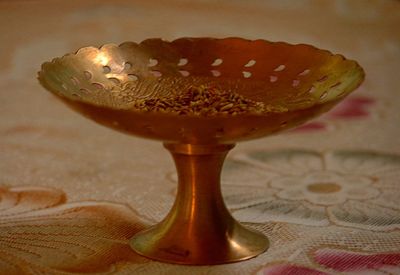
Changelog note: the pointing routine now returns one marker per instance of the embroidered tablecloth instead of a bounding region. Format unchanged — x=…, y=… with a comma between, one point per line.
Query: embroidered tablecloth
x=72, y=193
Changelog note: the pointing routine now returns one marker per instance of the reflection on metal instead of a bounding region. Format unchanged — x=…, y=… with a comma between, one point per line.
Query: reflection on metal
x=102, y=84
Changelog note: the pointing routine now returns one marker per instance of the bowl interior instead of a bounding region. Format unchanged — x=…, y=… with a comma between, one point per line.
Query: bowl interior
x=278, y=73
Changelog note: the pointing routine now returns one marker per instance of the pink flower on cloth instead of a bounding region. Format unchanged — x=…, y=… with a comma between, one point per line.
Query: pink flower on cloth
x=355, y=107
x=352, y=107
x=330, y=261
x=358, y=263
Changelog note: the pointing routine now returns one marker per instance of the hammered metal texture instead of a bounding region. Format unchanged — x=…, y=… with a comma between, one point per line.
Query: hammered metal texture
x=103, y=84
x=257, y=69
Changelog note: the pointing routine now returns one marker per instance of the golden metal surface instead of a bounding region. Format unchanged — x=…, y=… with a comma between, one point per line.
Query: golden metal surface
x=103, y=84
x=199, y=228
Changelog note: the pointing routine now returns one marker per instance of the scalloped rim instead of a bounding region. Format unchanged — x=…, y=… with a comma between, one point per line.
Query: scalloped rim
x=82, y=49
x=78, y=51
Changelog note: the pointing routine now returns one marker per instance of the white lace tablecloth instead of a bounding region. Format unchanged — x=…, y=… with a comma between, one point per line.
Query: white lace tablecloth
x=73, y=193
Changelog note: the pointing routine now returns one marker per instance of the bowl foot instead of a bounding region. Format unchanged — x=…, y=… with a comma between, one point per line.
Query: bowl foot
x=199, y=230
x=199, y=246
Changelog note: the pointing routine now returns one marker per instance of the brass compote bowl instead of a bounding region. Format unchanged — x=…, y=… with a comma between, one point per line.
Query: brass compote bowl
x=297, y=82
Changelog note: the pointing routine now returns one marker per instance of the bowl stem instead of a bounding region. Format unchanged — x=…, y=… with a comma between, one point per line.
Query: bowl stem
x=199, y=229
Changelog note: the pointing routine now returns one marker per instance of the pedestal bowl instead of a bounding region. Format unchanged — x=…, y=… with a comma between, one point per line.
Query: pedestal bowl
x=138, y=88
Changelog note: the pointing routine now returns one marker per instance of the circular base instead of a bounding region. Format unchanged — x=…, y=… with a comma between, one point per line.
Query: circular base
x=236, y=244
x=199, y=230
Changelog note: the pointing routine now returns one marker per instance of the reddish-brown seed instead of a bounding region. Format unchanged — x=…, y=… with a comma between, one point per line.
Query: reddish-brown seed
x=204, y=101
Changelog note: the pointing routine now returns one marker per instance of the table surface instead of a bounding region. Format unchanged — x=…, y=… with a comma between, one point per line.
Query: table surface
x=72, y=192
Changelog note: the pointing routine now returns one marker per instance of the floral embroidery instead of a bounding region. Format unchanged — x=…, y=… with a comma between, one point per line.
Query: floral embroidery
x=348, y=261
x=279, y=269
x=345, y=262
x=325, y=188
x=354, y=107
x=352, y=189
x=40, y=233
